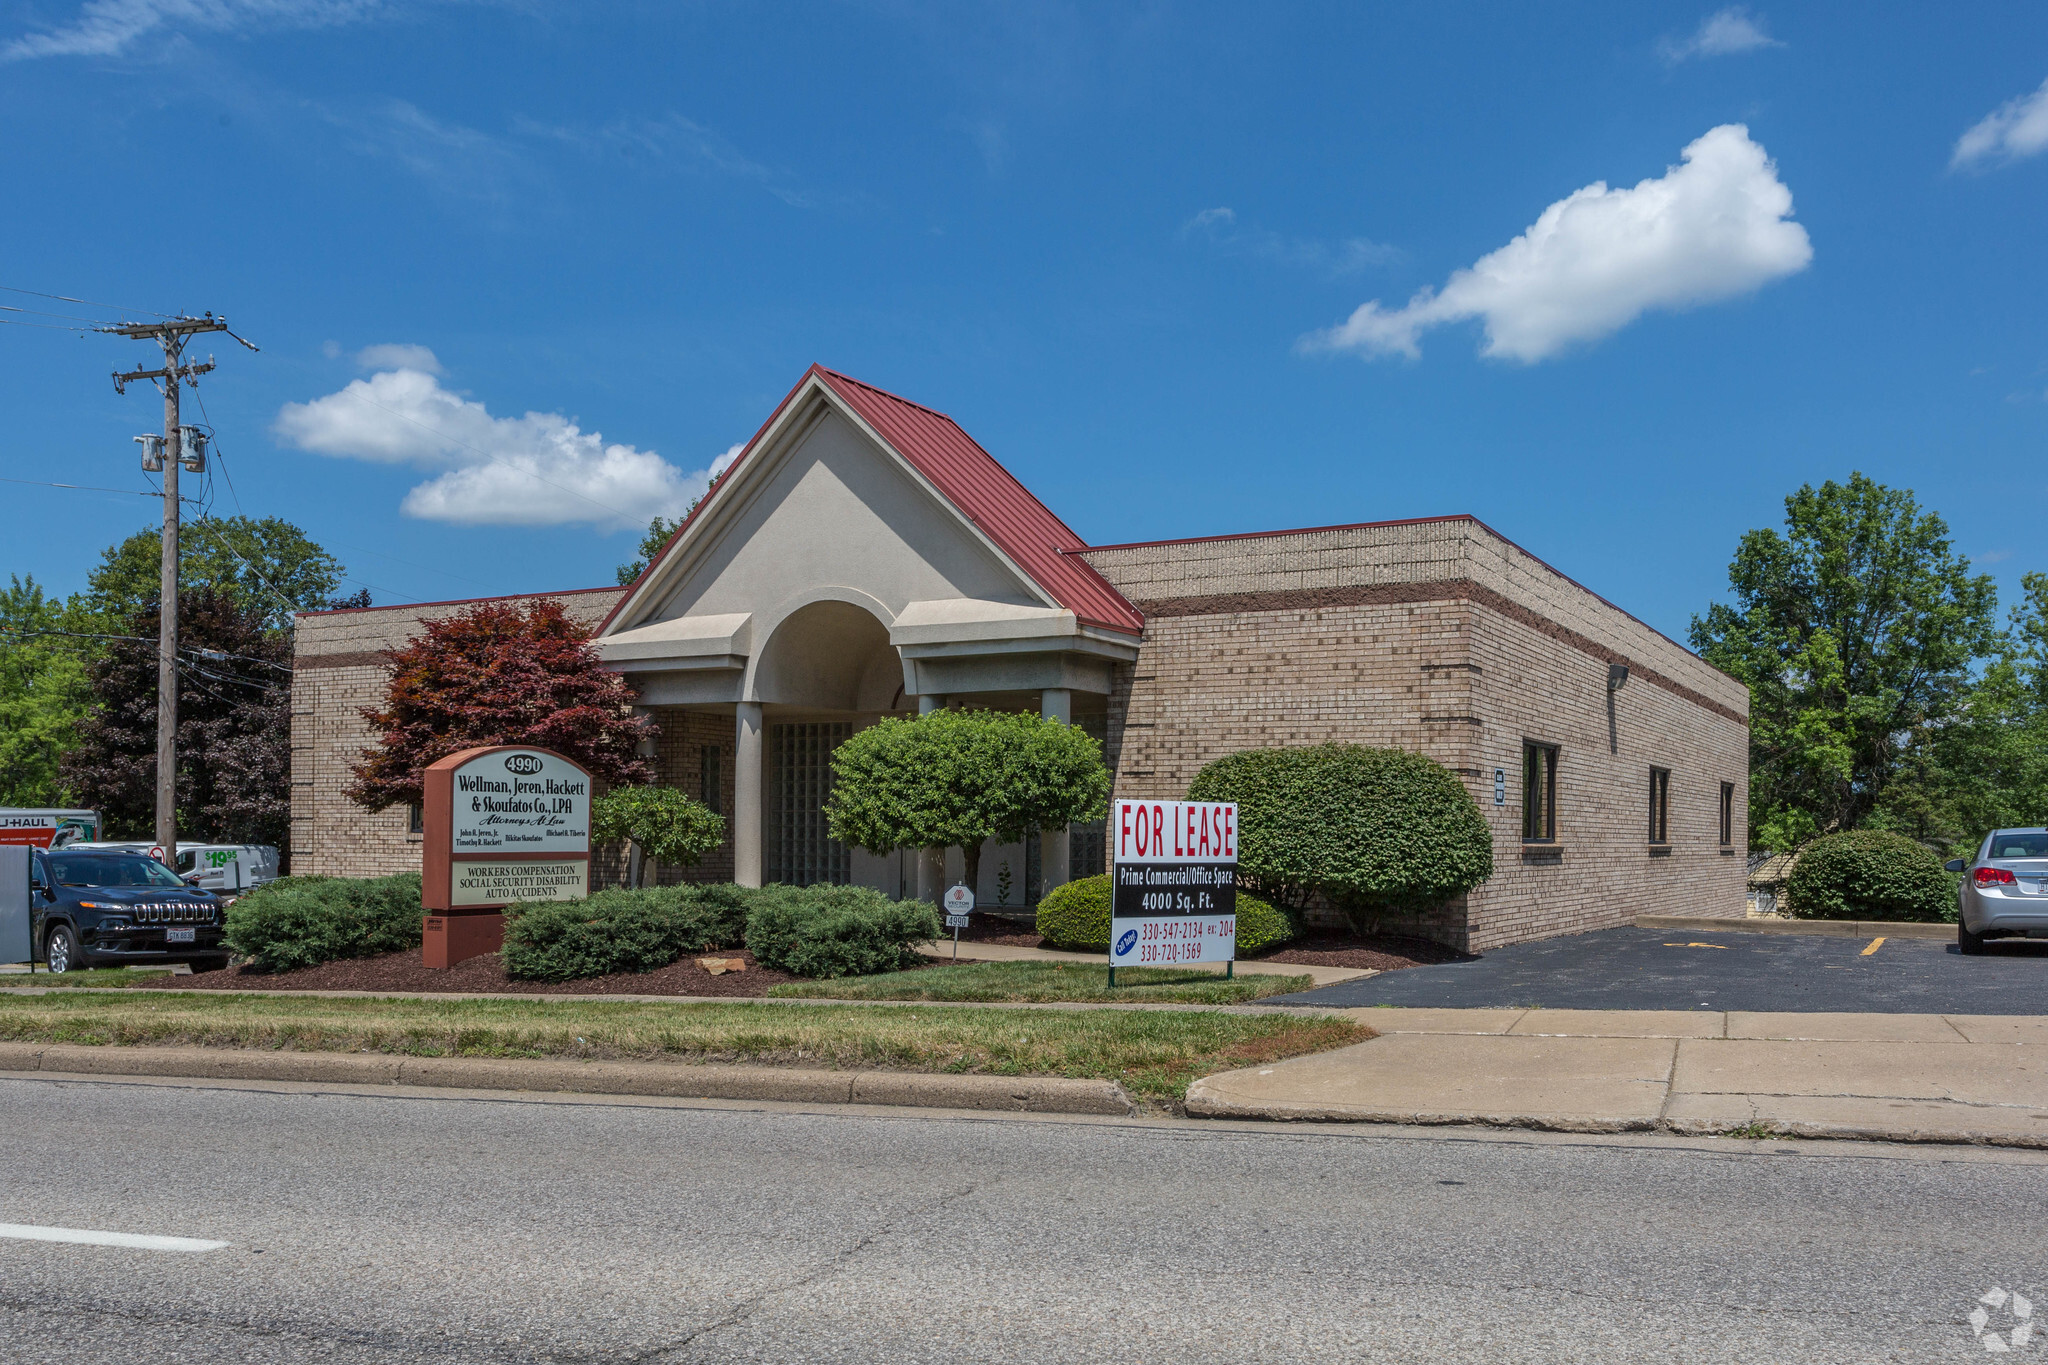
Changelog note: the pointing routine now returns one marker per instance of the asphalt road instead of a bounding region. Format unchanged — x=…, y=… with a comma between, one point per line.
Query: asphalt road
x=1689, y=969
x=371, y=1230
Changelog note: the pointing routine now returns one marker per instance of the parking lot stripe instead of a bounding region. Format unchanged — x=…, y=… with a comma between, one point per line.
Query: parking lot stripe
x=141, y=1241
x=1875, y=944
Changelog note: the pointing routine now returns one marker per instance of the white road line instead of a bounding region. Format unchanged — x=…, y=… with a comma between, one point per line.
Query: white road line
x=143, y=1241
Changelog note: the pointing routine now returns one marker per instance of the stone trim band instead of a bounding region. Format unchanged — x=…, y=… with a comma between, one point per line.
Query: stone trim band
x=1436, y=590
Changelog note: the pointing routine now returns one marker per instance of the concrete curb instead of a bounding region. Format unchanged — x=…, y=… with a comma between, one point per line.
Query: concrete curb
x=1824, y=928
x=1013, y=1094
x=1203, y=1103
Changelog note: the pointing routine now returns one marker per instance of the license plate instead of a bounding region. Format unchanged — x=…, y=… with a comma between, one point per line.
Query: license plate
x=180, y=935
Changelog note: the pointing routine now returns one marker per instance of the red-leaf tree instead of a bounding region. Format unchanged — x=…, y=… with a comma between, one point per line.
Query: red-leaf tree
x=497, y=675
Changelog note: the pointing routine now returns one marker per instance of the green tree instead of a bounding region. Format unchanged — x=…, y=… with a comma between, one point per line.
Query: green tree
x=234, y=726
x=1986, y=765
x=267, y=565
x=662, y=823
x=658, y=532
x=45, y=692
x=1856, y=629
x=955, y=779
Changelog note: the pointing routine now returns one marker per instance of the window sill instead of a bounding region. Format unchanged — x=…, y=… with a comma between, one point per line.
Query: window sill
x=1660, y=850
x=1727, y=850
x=1542, y=853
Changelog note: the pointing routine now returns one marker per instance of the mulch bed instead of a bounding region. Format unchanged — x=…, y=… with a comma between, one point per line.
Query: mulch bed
x=1380, y=952
x=405, y=972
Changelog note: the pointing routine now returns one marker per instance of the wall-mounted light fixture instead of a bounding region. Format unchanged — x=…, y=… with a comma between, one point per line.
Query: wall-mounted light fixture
x=1617, y=677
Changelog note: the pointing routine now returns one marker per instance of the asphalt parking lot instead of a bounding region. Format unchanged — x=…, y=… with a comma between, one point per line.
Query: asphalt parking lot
x=1689, y=969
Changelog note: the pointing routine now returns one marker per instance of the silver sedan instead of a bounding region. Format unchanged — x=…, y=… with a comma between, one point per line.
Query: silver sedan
x=2005, y=889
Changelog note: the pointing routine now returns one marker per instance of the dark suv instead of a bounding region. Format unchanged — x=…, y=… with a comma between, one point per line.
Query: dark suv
x=109, y=908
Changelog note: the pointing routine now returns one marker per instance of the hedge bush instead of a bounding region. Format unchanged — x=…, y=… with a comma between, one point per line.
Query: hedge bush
x=612, y=931
x=1371, y=830
x=298, y=922
x=827, y=931
x=1076, y=917
x=1870, y=874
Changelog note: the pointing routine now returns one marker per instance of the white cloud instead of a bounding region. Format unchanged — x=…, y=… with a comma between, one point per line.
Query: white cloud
x=1724, y=33
x=2017, y=128
x=1709, y=229
x=397, y=356
x=541, y=469
x=106, y=28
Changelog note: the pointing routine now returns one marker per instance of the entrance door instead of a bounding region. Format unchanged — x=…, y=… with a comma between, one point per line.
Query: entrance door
x=801, y=852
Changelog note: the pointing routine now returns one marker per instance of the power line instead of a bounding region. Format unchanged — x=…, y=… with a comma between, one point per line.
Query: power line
x=42, y=313
x=66, y=298
x=88, y=488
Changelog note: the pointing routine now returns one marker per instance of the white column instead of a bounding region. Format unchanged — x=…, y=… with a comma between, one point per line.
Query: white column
x=931, y=863
x=747, y=756
x=1055, y=703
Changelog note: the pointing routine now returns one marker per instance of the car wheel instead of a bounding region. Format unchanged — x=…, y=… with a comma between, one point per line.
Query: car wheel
x=1969, y=943
x=209, y=964
x=60, y=951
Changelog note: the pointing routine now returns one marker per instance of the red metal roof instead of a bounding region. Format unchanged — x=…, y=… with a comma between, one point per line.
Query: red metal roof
x=982, y=490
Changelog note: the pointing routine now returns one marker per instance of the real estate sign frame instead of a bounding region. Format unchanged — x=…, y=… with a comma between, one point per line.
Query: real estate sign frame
x=1173, y=883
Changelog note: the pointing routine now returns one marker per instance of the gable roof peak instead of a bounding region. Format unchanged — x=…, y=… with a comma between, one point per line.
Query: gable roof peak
x=1019, y=526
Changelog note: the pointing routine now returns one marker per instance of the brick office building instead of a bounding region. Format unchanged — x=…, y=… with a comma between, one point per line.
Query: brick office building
x=865, y=557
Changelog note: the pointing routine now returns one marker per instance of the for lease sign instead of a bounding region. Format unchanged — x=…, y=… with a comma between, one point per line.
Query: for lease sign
x=1173, y=878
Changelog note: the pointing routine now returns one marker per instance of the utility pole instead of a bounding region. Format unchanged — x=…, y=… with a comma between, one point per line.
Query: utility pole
x=171, y=334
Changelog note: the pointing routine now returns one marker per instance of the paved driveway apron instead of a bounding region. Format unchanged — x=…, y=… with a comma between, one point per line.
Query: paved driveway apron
x=1688, y=969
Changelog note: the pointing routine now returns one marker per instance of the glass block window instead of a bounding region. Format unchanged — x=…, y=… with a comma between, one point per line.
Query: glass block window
x=802, y=853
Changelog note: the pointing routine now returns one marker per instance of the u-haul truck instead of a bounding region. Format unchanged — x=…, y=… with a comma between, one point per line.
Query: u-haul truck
x=48, y=828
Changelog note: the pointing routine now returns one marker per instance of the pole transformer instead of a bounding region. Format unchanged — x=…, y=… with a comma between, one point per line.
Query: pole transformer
x=172, y=335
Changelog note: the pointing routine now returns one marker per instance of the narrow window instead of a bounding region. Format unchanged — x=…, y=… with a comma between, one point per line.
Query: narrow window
x=1660, y=805
x=1539, y=793
x=709, y=779
x=415, y=820
x=1727, y=813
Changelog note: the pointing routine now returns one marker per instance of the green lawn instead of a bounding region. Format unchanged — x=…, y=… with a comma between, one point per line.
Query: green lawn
x=94, y=978
x=1030, y=982
x=1154, y=1053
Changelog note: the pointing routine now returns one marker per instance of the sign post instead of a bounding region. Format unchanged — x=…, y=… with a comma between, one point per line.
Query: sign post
x=959, y=905
x=503, y=825
x=1173, y=883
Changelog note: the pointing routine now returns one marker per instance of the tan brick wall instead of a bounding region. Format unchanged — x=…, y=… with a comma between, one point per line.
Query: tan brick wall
x=679, y=762
x=1471, y=647
x=338, y=668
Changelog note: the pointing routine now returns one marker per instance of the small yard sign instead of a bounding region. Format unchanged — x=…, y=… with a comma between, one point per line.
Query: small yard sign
x=1173, y=883
x=959, y=905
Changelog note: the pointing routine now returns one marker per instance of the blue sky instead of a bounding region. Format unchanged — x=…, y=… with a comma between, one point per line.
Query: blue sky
x=1130, y=248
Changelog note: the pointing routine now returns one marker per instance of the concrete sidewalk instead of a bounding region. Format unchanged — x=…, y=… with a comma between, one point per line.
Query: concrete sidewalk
x=1884, y=1077
x=1003, y=952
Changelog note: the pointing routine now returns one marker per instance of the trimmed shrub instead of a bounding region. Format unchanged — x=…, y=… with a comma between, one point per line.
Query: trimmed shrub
x=1870, y=874
x=298, y=922
x=1370, y=830
x=1260, y=927
x=827, y=931
x=725, y=906
x=1076, y=917
x=612, y=931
